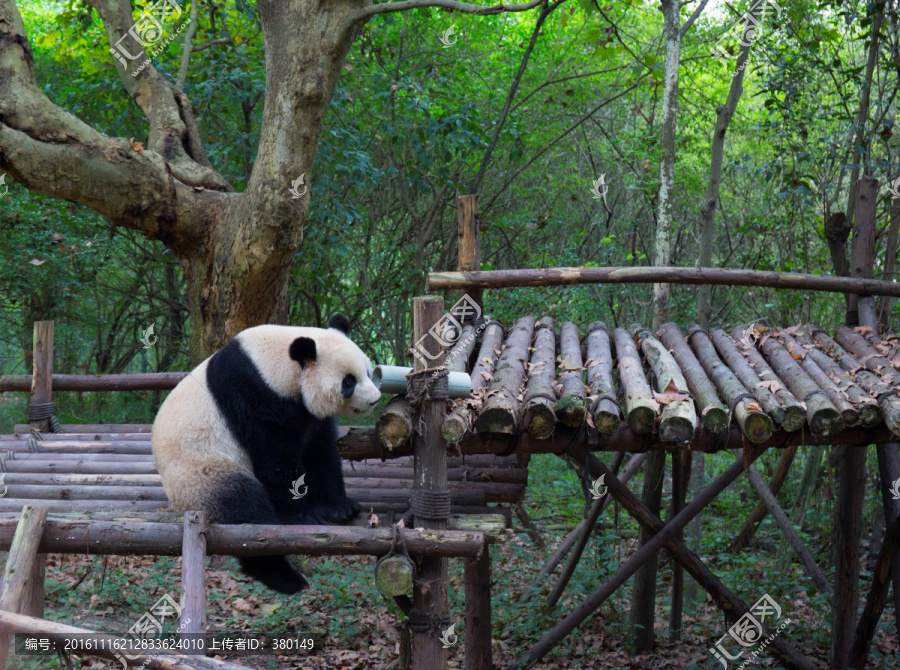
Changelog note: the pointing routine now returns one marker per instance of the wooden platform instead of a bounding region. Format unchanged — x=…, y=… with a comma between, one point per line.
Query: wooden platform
x=541, y=386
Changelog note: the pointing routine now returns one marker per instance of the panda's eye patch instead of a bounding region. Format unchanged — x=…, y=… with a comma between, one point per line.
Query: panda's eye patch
x=348, y=386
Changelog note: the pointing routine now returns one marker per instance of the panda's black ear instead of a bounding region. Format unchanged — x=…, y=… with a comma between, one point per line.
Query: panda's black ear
x=303, y=350
x=339, y=322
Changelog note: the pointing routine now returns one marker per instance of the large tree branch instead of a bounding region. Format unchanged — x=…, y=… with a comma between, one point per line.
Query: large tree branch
x=53, y=152
x=169, y=135
x=464, y=7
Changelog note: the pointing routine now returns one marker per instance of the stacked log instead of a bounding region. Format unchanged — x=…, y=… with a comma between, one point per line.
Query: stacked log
x=640, y=407
x=754, y=423
x=571, y=407
x=460, y=418
x=540, y=398
x=395, y=423
x=790, y=418
x=678, y=420
x=604, y=410
x=821, y=414
x=888, y=400
x=500, y=413
x=794, y=412
x=713, y=413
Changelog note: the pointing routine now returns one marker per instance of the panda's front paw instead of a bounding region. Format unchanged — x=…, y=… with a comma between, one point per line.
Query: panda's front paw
x=341, y=509
x=313, y=515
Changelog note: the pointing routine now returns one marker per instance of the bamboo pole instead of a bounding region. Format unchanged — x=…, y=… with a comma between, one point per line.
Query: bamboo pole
x=754, y=423
x=640, y=408
x=571, y=408
x=430, y=463
x=443, y=281
x=821, y=414
x=501, y=411
x=604, y=411
x=678, y=420
x=540, y=398
x=713, y=413
x=458, y=422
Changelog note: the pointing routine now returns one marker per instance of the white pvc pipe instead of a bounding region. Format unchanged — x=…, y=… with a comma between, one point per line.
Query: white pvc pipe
x=392, y=379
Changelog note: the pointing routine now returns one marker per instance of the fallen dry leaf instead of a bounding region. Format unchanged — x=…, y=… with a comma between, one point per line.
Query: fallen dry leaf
x=670, y=394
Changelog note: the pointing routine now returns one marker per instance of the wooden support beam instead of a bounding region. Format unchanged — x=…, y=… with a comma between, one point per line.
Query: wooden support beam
x=16, y=589
x=469, y=243
x=477, y=579
x=851, y=470
x=193, y=574
x=681, y=470
x=765, y=494
x=430, y=464
x=42, y=367
x=889, y=471
x=758, y=513
x=443, y=281
x=139, y=381
x=733, y=606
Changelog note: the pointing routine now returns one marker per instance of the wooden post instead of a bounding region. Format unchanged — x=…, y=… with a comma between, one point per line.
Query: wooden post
x=478, y=611
x=469, y=258
x=851, y=467
x=42, y=370
x=430, y=474
x=15, y=587
x=681, y=470
x=193, y=574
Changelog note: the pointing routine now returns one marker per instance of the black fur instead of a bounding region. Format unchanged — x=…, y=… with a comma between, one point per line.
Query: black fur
x=284, y=442
x=303, y=350
x=339, y=322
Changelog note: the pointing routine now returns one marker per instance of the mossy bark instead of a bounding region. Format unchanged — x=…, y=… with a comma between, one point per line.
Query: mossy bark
x=540, y=419
x=571, y=408
x=640, y=408
x=605, y=411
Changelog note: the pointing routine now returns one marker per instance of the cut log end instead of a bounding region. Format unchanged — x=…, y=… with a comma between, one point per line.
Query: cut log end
x=571, y=410
x=393, y=430
x=641, y=420
x=606, y=422
x=870, y=415
x=540, y=421
x=394, y=576
x=496, y=420
x=794, y=418
x=676, y=429
x=715, y=420
x=827, y=423
x=453, y=428
x=757, y=427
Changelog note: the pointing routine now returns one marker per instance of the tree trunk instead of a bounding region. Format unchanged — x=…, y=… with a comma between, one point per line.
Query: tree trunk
x=708, y=208
x=668, y=120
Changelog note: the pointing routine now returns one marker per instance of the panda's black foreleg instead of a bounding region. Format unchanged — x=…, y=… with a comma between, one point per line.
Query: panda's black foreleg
x=325, y=477
x=242, y=499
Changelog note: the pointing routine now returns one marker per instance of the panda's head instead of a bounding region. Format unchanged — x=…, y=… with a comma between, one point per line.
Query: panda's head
x=331, y=373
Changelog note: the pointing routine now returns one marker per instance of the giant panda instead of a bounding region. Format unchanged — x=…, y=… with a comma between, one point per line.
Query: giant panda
x=236, y=433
